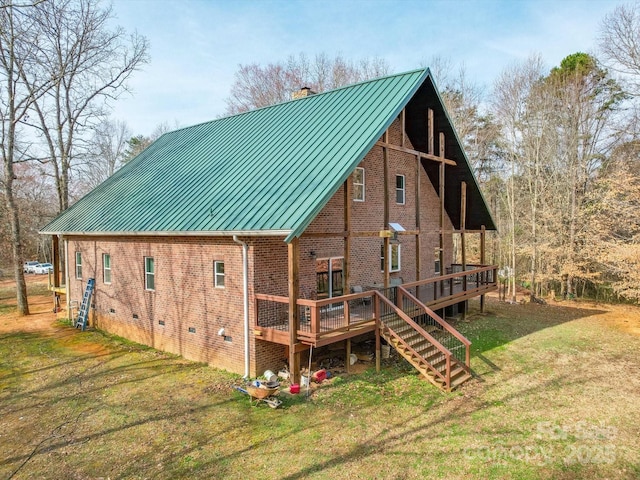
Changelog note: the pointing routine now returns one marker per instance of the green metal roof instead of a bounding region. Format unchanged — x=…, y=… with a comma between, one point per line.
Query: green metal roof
x=265, y=172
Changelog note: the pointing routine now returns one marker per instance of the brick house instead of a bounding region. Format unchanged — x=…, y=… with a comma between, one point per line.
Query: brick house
x=247, y=240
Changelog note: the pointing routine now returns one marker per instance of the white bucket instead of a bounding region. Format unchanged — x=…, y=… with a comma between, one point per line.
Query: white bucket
x=304, y=381
x=353, y=359
x=270, y=376
x=385, y=351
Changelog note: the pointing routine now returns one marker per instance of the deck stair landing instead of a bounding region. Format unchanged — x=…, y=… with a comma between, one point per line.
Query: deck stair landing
x=434, y=348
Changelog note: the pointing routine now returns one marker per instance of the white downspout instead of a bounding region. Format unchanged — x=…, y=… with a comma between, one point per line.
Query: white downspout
x=245, y=274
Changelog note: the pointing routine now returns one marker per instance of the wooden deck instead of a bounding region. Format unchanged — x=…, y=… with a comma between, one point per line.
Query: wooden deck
x=322, y=322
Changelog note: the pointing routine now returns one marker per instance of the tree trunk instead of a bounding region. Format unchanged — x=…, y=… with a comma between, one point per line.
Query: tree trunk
x=16, y=244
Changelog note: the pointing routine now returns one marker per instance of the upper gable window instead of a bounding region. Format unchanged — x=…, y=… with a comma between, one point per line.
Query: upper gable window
x=400, y=190
x=358, y=185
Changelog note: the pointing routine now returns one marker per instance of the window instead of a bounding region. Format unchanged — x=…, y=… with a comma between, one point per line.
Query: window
x=218, y=274
x=400, y=189
x=436, y=254
x=78, y=265
x=358, y=185
x=394, y=257
x=149, y=274
x=106, y=267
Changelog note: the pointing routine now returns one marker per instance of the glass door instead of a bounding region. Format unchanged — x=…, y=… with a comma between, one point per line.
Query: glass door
x=329, y=277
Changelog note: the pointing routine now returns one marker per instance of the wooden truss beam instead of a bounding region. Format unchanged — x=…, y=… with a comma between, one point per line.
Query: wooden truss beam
x=426, y=156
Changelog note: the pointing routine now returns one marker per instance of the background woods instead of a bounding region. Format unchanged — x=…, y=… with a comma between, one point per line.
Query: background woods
x=555, y=148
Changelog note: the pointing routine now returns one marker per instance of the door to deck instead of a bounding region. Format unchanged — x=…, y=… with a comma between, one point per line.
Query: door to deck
x=329, y=277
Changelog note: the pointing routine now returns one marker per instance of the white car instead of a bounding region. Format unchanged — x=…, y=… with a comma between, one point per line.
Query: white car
x=43, y=268
x=29, y=266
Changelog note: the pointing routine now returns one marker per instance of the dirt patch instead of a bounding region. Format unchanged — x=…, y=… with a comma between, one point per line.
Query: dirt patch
x=621, y=317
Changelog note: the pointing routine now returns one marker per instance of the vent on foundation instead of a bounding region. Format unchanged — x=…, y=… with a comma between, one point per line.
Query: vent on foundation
x=227, y=338
x=135, y=315
x=192, y=329
x=160, y=322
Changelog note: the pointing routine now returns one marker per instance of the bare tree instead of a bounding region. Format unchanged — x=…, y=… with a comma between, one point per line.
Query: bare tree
x=106, y=152
x=619, y=41
x=257, y=86
x=92, y=64
x=16, y=57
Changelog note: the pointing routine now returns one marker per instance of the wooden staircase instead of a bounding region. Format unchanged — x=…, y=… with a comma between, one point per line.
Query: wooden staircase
x=438, y=351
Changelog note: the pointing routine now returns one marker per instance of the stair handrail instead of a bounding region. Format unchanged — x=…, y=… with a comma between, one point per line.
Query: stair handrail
x=465, y=341
x=444, y=350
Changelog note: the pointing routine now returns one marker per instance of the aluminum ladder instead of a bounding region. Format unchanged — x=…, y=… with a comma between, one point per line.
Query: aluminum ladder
x=83, y=313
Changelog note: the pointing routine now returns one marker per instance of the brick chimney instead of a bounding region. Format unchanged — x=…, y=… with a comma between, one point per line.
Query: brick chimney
x=303, y=92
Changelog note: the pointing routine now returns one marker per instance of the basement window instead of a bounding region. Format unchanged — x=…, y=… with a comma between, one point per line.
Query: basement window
x=218, y=274
x=400, y=190
x=106, y=267
x=394, y=257
x=78, y=265
x=149, y=274
x=358, y=185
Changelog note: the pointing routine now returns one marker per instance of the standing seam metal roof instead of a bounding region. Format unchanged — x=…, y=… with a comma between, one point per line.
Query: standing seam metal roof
x=268, y=170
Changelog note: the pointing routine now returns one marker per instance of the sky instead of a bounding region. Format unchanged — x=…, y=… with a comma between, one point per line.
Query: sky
x=196, y=46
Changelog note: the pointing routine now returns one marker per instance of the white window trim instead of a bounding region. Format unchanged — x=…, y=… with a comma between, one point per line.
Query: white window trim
x=403, y=189
x=79, y=266
x=216, y=274
x=147, y=273
x=391, y=245
x=363, y=185
x=104, y=269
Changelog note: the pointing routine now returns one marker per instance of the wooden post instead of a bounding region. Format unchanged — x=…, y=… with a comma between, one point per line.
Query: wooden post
x=294, y=288
x=386, y=258
x=418, y=241
x=442, y=210
x=403, y=121
x=430, y=130
x=482, y=260
x=463, y=222
x=346, y=263
x=55, y=260
x=385, y=155
x=376, y=313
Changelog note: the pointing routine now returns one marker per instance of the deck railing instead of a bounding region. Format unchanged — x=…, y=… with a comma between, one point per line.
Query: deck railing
x=320, y=317
x=449, y=337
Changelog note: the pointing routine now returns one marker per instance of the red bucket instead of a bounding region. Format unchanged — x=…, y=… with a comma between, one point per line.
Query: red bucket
x=295, y=388
x=320, y=376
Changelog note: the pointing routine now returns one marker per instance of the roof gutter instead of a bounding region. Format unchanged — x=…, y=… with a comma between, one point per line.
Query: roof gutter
x=175, y=233
x=245, y=285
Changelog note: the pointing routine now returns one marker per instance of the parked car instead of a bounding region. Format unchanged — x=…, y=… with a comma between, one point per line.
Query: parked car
x=28, y=267
x=42, y=268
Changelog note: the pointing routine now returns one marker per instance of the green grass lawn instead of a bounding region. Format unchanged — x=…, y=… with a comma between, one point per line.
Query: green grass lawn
x=557, y=395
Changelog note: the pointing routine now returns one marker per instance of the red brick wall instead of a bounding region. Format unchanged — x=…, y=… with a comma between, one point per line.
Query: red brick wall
x=368, y=216
x=185, y=296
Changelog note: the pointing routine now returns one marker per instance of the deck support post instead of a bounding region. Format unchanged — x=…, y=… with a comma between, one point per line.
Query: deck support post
x=347, y=356
x=442, y=209
x=418, y=241
x=385, y=158
x=483, y=233
x=463, y=246
x=346, y=262
x=294, y=288
x=376, y=313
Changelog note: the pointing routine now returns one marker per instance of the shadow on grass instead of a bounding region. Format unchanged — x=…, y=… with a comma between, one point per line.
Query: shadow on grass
x=503, y=323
